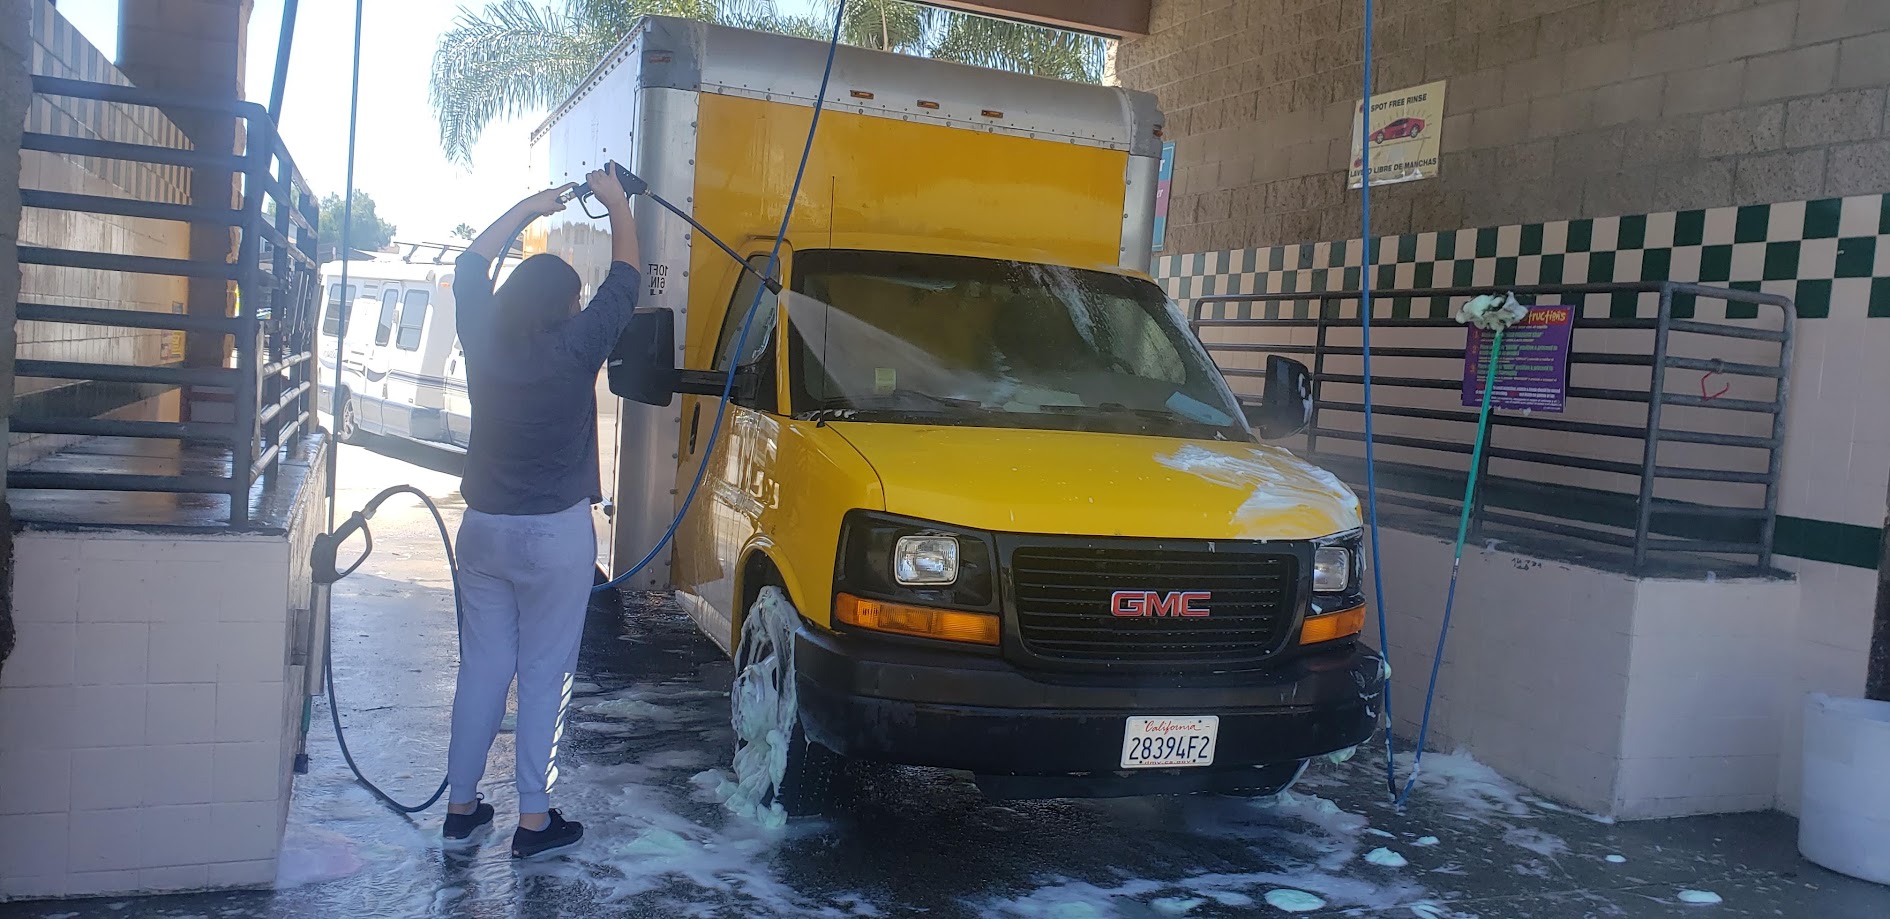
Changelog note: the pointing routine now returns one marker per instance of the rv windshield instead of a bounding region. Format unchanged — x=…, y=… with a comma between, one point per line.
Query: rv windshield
x=934, y=339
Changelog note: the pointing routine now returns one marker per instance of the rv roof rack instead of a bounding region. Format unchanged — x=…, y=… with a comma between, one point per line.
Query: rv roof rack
x=439, y=250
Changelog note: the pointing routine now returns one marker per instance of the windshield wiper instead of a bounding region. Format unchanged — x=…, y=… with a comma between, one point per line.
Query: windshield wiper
x=1164, y=415
x=886, y=405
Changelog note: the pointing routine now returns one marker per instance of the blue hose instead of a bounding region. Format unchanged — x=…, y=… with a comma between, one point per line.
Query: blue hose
x=741, y=338
x=1365, y=346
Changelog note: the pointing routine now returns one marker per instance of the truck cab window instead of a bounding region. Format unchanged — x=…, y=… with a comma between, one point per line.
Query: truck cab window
x=413, y=319
x=385, y=328
x=760, y=333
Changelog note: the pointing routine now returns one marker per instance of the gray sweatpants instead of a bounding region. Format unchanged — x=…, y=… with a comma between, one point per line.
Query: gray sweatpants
x=524, y=582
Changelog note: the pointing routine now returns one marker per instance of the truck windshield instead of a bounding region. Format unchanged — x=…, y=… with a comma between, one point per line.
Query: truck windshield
x=935, y=339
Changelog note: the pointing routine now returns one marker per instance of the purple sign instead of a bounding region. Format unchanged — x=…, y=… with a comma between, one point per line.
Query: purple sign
x=1533, y=372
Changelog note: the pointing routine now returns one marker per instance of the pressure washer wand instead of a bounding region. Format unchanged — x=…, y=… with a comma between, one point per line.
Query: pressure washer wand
x=634, y=185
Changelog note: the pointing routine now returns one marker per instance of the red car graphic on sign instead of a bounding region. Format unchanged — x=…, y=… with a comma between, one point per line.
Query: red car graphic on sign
x=1403, y=127
x=1131, y=604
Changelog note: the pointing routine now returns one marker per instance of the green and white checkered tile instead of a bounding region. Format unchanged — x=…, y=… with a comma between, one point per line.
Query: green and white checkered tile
x=1831, y=256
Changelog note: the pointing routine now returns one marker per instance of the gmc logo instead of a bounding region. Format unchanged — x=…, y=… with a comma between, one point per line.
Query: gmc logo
x=1140, y=603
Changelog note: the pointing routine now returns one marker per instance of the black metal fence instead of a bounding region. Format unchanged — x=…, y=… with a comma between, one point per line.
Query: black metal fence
x=1436, y=441
x=278, y=286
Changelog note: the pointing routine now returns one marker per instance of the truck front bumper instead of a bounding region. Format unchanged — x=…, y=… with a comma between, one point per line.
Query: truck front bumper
x=902, y=703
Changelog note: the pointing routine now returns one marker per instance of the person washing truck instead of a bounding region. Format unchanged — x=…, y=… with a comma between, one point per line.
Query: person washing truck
x=525, y=544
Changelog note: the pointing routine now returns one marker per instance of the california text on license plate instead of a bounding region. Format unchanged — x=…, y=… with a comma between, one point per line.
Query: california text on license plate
x=1166, y=741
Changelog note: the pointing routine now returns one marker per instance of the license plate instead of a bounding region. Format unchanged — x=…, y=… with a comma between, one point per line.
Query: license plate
x=1167, y=741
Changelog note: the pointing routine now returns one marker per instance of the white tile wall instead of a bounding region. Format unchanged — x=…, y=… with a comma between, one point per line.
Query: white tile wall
x=183, y=712
x=108, y=840
x=116, y=653
x=44, y=655
x=148, y=719
x=36, y=781
x=1670, y=696
x=108, y=777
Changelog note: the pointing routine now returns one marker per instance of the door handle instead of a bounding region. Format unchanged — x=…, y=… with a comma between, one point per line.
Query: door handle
x=695, y=421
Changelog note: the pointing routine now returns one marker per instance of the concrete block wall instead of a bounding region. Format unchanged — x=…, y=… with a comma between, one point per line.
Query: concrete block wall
x=59, y=50
x=142, y=724
x=1760, y=124
x=1555, y=109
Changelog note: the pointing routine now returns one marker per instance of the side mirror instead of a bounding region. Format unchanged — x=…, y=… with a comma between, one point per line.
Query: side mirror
x=642, y=368
x=1286, y=406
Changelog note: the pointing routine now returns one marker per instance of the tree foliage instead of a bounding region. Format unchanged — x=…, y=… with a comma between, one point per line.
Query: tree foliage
x=513, y=57
x=367, y=233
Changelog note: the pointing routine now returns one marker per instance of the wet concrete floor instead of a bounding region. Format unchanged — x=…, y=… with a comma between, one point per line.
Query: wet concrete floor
x=649, y=726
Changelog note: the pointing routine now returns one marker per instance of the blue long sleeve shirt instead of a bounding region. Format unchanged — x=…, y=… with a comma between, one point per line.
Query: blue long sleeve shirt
x=533, y=448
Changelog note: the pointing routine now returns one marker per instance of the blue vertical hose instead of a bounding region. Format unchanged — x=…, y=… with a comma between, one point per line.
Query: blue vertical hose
x=741, y=338
x=1365, y=345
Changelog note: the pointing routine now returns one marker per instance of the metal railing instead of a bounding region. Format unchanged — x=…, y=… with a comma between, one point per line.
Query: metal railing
x=278, y=286
x=1639, y=519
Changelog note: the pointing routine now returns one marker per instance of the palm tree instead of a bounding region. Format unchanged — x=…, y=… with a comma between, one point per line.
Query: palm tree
x=519, y=56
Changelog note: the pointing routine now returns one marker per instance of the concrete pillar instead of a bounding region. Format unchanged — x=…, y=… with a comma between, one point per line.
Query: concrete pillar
x=16, y=92
x=196, y=47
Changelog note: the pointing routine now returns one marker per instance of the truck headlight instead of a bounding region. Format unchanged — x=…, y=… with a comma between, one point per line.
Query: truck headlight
x=1332, y=569
x=925, y=561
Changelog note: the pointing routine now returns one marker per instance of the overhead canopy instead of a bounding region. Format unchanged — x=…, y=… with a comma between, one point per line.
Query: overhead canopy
x=1116, y=18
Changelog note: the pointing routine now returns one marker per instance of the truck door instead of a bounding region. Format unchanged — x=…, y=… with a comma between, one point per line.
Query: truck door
x=727, y=510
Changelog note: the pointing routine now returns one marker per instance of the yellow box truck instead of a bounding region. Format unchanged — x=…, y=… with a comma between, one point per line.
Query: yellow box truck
x=1023, y=525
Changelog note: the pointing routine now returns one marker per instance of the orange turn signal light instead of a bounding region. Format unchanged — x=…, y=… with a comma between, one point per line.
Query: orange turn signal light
x=1328, y=626
x=921, y=621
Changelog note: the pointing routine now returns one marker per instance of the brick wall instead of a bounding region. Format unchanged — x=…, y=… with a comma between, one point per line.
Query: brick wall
x=57, y=49
x=1555, y=109
x=1743, y=141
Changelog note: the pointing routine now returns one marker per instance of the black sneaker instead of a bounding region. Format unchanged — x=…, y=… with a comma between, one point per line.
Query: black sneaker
x=462, y=826
x=557, y=834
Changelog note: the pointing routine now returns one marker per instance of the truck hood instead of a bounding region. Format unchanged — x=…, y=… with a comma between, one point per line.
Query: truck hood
x=1090, y=484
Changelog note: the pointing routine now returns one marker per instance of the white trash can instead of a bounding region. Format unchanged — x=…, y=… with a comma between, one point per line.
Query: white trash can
x=1844, y=823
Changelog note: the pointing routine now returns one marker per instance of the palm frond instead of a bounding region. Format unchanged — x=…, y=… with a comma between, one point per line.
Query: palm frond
x=1005, y=45
x=510, y=58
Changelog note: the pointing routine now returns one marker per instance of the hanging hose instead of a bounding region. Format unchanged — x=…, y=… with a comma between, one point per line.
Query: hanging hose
x=741, y=338
x=326, y=574
x=1365, y=346
x=324, y=555
x=1456, y=564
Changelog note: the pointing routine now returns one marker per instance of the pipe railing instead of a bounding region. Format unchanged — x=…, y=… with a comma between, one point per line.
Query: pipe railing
x=277, y=277
x=1638, y=519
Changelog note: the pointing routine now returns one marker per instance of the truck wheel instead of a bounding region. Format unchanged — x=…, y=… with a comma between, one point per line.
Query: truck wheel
x=779, y=773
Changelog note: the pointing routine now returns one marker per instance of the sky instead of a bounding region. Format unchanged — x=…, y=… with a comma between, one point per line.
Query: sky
x=397, y=158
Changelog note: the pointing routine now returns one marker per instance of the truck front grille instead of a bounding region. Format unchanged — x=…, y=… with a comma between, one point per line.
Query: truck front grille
x=1064, y=602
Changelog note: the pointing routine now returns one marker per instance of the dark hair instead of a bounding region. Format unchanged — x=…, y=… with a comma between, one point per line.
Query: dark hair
x=540, y=293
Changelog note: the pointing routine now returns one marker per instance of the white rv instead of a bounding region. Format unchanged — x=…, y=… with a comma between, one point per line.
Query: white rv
x=401, y=372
